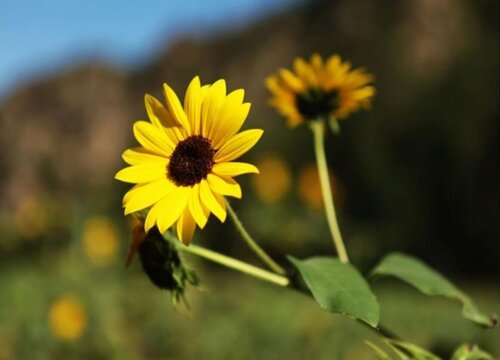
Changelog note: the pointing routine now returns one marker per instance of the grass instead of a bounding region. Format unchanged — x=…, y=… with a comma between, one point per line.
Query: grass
x=231, y=317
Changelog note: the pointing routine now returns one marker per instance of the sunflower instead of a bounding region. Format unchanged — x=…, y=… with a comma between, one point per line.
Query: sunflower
x=320, y=89
x=184, y=166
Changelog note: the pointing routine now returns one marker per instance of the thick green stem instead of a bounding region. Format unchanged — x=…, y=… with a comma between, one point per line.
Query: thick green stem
x=318, y=129
x=252, y=244
x=235, y=264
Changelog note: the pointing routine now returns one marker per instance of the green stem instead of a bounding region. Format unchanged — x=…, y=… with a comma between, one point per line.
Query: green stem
x=318, y=129
x=235, y=264
x=252, y=244
x=259, y=273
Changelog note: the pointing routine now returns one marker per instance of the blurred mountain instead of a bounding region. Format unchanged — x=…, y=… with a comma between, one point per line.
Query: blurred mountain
x=420, y=170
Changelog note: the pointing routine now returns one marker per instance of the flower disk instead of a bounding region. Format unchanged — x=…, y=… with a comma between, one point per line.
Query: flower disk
x=320, y=90
x=185, y=164
x=191, y=161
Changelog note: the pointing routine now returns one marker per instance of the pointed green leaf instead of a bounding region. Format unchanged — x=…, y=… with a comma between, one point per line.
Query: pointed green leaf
x=429, y=282
x=338, y=288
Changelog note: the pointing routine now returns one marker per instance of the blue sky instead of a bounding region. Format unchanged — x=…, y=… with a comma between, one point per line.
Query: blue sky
x=37, y=37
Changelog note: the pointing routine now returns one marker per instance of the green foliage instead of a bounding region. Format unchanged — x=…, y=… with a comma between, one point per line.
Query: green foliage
x=338, y=288
x=403, y=351
x=429, y=282
x=470, y=352
x=407, y=351
x=381, y=354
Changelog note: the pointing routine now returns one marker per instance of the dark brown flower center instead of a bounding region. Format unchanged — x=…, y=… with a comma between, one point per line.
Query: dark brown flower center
x=191, y=161
x=316, y=102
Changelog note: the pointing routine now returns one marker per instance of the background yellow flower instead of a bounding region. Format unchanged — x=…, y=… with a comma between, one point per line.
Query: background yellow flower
x=67, y=318
x=273, y=181
x=100, y=240
x=310, y=188
x=318, y=89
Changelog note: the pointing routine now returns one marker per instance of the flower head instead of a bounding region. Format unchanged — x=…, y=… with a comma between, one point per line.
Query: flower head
x=320, y=89
x=162, y=263
x=184, y=166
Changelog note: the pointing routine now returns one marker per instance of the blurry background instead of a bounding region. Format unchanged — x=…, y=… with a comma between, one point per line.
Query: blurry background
x=418, y=173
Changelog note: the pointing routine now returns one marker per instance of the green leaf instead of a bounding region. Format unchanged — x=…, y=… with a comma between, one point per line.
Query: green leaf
x=381, y=354
x=403, y=350
x=338, y=288
x=470, y=352
x=429, y=282
x=415, y=352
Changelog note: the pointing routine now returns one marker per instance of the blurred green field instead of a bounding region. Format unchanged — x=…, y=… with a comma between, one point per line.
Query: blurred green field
x=231, y=317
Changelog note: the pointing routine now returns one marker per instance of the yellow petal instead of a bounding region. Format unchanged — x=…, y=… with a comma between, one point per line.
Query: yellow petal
x=185, y=227
x=140, y=155
x=316, y=62
x=199, y=212
x=231, y=117
x=212, y=103
x=224, y=186
x=152, y=216
x=222, y=203
x=333, y=62
x=143, y=173
x=171, y=208
x=153, y=138
x=126, y=197
x=230, y=169
x=192, y=104
x=157, y=113
x=232, y=114
x=272, y=85
x=292, y=81
x=304, y=71
x=175, y=108
x=161, y=118
x=238, y=145
x=211, y=201
x=144, y=196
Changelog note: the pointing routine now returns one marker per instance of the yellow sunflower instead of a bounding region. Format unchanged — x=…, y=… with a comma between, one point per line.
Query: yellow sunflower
x=184, y=166
x=320, y=89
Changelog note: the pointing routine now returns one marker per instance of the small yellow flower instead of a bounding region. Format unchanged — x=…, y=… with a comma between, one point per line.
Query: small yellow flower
x=320, y=89
x=184, y=166
x=274, y=179
x=67, y=318
x=100, y=240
